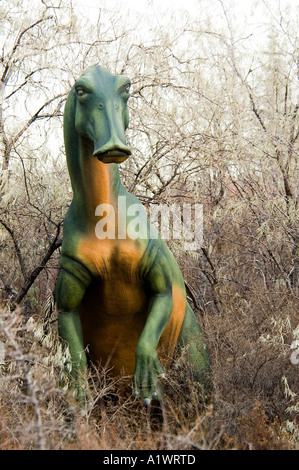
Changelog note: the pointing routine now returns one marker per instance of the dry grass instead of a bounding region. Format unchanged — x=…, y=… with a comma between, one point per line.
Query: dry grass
x=253, y=404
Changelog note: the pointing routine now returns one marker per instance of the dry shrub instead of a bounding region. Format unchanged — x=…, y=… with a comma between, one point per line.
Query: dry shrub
x=259, y=433
x=33, y=407
x=38, y=414
x=250, y=346
x=181, y=421
x=253, y=403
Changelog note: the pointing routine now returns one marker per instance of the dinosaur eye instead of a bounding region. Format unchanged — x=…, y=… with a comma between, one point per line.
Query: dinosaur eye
x=80, y=91
x=127, y=89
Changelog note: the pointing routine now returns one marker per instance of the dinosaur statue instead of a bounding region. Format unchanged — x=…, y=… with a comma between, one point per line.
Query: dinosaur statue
x=121, y=300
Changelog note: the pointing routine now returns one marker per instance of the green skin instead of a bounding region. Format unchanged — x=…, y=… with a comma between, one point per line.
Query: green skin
x=91, y=122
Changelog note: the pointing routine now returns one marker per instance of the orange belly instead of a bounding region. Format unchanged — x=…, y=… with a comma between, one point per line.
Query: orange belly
x=112, y=317
x=115, y=307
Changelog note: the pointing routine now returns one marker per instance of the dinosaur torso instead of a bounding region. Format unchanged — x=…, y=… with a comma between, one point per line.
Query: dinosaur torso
x=116, y=303
x=114, y=309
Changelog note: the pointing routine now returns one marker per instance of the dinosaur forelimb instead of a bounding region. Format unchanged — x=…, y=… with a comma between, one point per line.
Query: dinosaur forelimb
x=70, y=332
x=147, y=372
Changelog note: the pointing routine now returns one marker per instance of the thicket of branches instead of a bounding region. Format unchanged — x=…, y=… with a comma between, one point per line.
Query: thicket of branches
x=213, y=120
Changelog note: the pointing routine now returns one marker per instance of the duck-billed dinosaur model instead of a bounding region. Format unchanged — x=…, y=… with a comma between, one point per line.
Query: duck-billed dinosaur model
x=121, y=298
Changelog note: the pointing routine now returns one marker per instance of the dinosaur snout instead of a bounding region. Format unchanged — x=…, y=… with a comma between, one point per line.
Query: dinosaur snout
x=112, y=153
x=110, y=144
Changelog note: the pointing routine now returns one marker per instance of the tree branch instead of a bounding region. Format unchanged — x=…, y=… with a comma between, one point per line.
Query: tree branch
x=36, y=271
x=34, y=117
x=16, y=245
x=4, y=77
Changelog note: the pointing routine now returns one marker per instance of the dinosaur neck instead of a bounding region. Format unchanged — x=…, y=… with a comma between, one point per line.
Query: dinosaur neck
x=93, y=182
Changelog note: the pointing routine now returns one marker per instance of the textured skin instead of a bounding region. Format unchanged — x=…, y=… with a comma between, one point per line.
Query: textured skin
x=123, y=299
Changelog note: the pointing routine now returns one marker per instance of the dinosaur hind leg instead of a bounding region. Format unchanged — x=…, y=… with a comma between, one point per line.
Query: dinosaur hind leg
x=69, y=293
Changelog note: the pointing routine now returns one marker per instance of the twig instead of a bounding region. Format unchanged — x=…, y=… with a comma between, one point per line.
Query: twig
x=16, y=245
x=36, y=271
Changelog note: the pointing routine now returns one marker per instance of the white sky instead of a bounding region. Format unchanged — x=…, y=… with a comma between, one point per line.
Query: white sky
x=160, y=7
x=163, y=5
x=248, y=14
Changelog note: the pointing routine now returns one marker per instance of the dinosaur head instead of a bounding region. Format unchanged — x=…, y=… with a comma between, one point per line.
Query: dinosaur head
x=102, y=114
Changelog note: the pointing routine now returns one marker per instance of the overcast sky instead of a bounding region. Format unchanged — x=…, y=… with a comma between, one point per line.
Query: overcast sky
x=248, y=14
